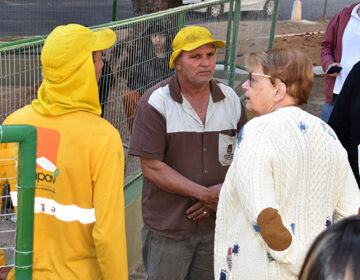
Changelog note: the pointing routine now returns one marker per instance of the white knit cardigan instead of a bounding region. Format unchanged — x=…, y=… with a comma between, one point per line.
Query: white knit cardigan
x=291, y=161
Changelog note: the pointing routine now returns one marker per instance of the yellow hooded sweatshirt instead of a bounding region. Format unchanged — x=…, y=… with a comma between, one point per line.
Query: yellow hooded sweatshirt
x=79, y=230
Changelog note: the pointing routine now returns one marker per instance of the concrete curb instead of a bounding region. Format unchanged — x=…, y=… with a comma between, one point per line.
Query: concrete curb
x=297, y=34
x=318, y=71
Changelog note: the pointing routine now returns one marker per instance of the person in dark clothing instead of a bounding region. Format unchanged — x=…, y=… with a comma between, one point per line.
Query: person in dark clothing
x=340, y=48
x=152, y=59
x=345, y=118
x=151, y=64
x=105, y=83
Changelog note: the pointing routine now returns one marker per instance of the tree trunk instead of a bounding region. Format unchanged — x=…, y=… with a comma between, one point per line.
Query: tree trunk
x=141, y=7
x=174, y=3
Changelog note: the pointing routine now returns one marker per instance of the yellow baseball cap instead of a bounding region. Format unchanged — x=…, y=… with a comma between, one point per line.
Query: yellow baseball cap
x=190, y=38
x=68, y=46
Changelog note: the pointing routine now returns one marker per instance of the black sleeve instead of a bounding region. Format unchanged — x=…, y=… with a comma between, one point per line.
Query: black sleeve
x=243, y=118
x=138, y=75
x=340, y=119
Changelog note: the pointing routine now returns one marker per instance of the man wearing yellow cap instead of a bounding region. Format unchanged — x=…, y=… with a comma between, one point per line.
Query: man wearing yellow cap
x=79, y=230
x=185, y=132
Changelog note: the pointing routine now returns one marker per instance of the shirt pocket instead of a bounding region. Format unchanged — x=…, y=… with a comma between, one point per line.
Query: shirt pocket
x=227, y=146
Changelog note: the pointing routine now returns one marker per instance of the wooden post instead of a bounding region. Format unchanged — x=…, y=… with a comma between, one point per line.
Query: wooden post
x=325, y=8
x=296, y=11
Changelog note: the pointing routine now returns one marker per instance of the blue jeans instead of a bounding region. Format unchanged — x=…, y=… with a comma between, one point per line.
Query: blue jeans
x=327, y=109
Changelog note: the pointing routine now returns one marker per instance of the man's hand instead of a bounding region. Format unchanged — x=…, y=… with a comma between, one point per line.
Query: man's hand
x=168, y=179
x=211, y=197
x=198, y=211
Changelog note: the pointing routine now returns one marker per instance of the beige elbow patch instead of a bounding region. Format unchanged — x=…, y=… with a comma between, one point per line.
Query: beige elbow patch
x=359, y=211
x=273, y=231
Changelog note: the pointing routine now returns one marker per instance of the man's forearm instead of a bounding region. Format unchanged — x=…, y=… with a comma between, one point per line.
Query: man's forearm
x=168, y=179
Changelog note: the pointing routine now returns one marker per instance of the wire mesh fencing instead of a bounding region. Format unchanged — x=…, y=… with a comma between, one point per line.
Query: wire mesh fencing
x=20, y=77
x=139, y=59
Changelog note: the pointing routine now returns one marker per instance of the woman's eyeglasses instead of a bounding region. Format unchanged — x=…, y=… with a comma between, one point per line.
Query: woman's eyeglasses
x=251, y=80
x=251, y=74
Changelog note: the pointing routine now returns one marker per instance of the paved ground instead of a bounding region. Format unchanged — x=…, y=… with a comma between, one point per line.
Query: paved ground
x=39, y=17
x=313, y=9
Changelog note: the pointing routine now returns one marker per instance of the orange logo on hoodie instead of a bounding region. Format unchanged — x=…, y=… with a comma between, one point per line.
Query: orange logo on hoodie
x=47, y=149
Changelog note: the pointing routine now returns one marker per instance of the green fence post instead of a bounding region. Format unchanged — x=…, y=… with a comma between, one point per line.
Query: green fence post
x=27, y=138
x=114, y=11
x=234, y=42
x=181, y=20
x=228, y=35
x=273, y=24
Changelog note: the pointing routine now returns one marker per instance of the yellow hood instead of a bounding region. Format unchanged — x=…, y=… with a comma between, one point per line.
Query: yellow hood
x=69, y=74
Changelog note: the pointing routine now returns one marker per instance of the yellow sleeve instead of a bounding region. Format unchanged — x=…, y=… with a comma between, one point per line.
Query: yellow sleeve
x=2, y=258
x=2, y=178
x=109, y=229
x=8, y=166
x=11, y=274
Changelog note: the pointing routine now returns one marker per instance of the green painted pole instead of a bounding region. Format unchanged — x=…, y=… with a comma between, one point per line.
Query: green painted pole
x=273, y=24
x=234, y=42
x=228, y=35
x=27, y=138
x=181, y=20
x=113, y=18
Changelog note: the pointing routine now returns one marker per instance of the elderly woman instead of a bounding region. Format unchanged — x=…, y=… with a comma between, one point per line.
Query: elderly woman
x=289, y=180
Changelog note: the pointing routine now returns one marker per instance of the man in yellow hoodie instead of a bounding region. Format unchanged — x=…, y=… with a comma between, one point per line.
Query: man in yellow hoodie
x=79, y=230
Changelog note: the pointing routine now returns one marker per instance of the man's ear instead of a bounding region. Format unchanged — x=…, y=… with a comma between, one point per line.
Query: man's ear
x=177, y=64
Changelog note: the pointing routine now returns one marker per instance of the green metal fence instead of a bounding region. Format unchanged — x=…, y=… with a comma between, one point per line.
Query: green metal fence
x=26, y=137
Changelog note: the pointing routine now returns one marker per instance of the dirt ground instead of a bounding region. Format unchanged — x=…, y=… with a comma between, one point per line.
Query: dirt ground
x=305, y=36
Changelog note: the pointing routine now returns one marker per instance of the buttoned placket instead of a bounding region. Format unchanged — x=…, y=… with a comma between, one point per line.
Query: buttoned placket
x=192, y=113
x=209, y=113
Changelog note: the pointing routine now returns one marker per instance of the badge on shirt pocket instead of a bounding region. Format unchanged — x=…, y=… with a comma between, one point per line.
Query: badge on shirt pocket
x=227, y=146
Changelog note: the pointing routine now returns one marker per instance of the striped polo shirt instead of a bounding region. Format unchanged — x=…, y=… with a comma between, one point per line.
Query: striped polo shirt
x=168, y=129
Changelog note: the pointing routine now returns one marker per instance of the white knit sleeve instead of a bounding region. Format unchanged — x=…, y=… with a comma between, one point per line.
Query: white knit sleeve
x=255, y=160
